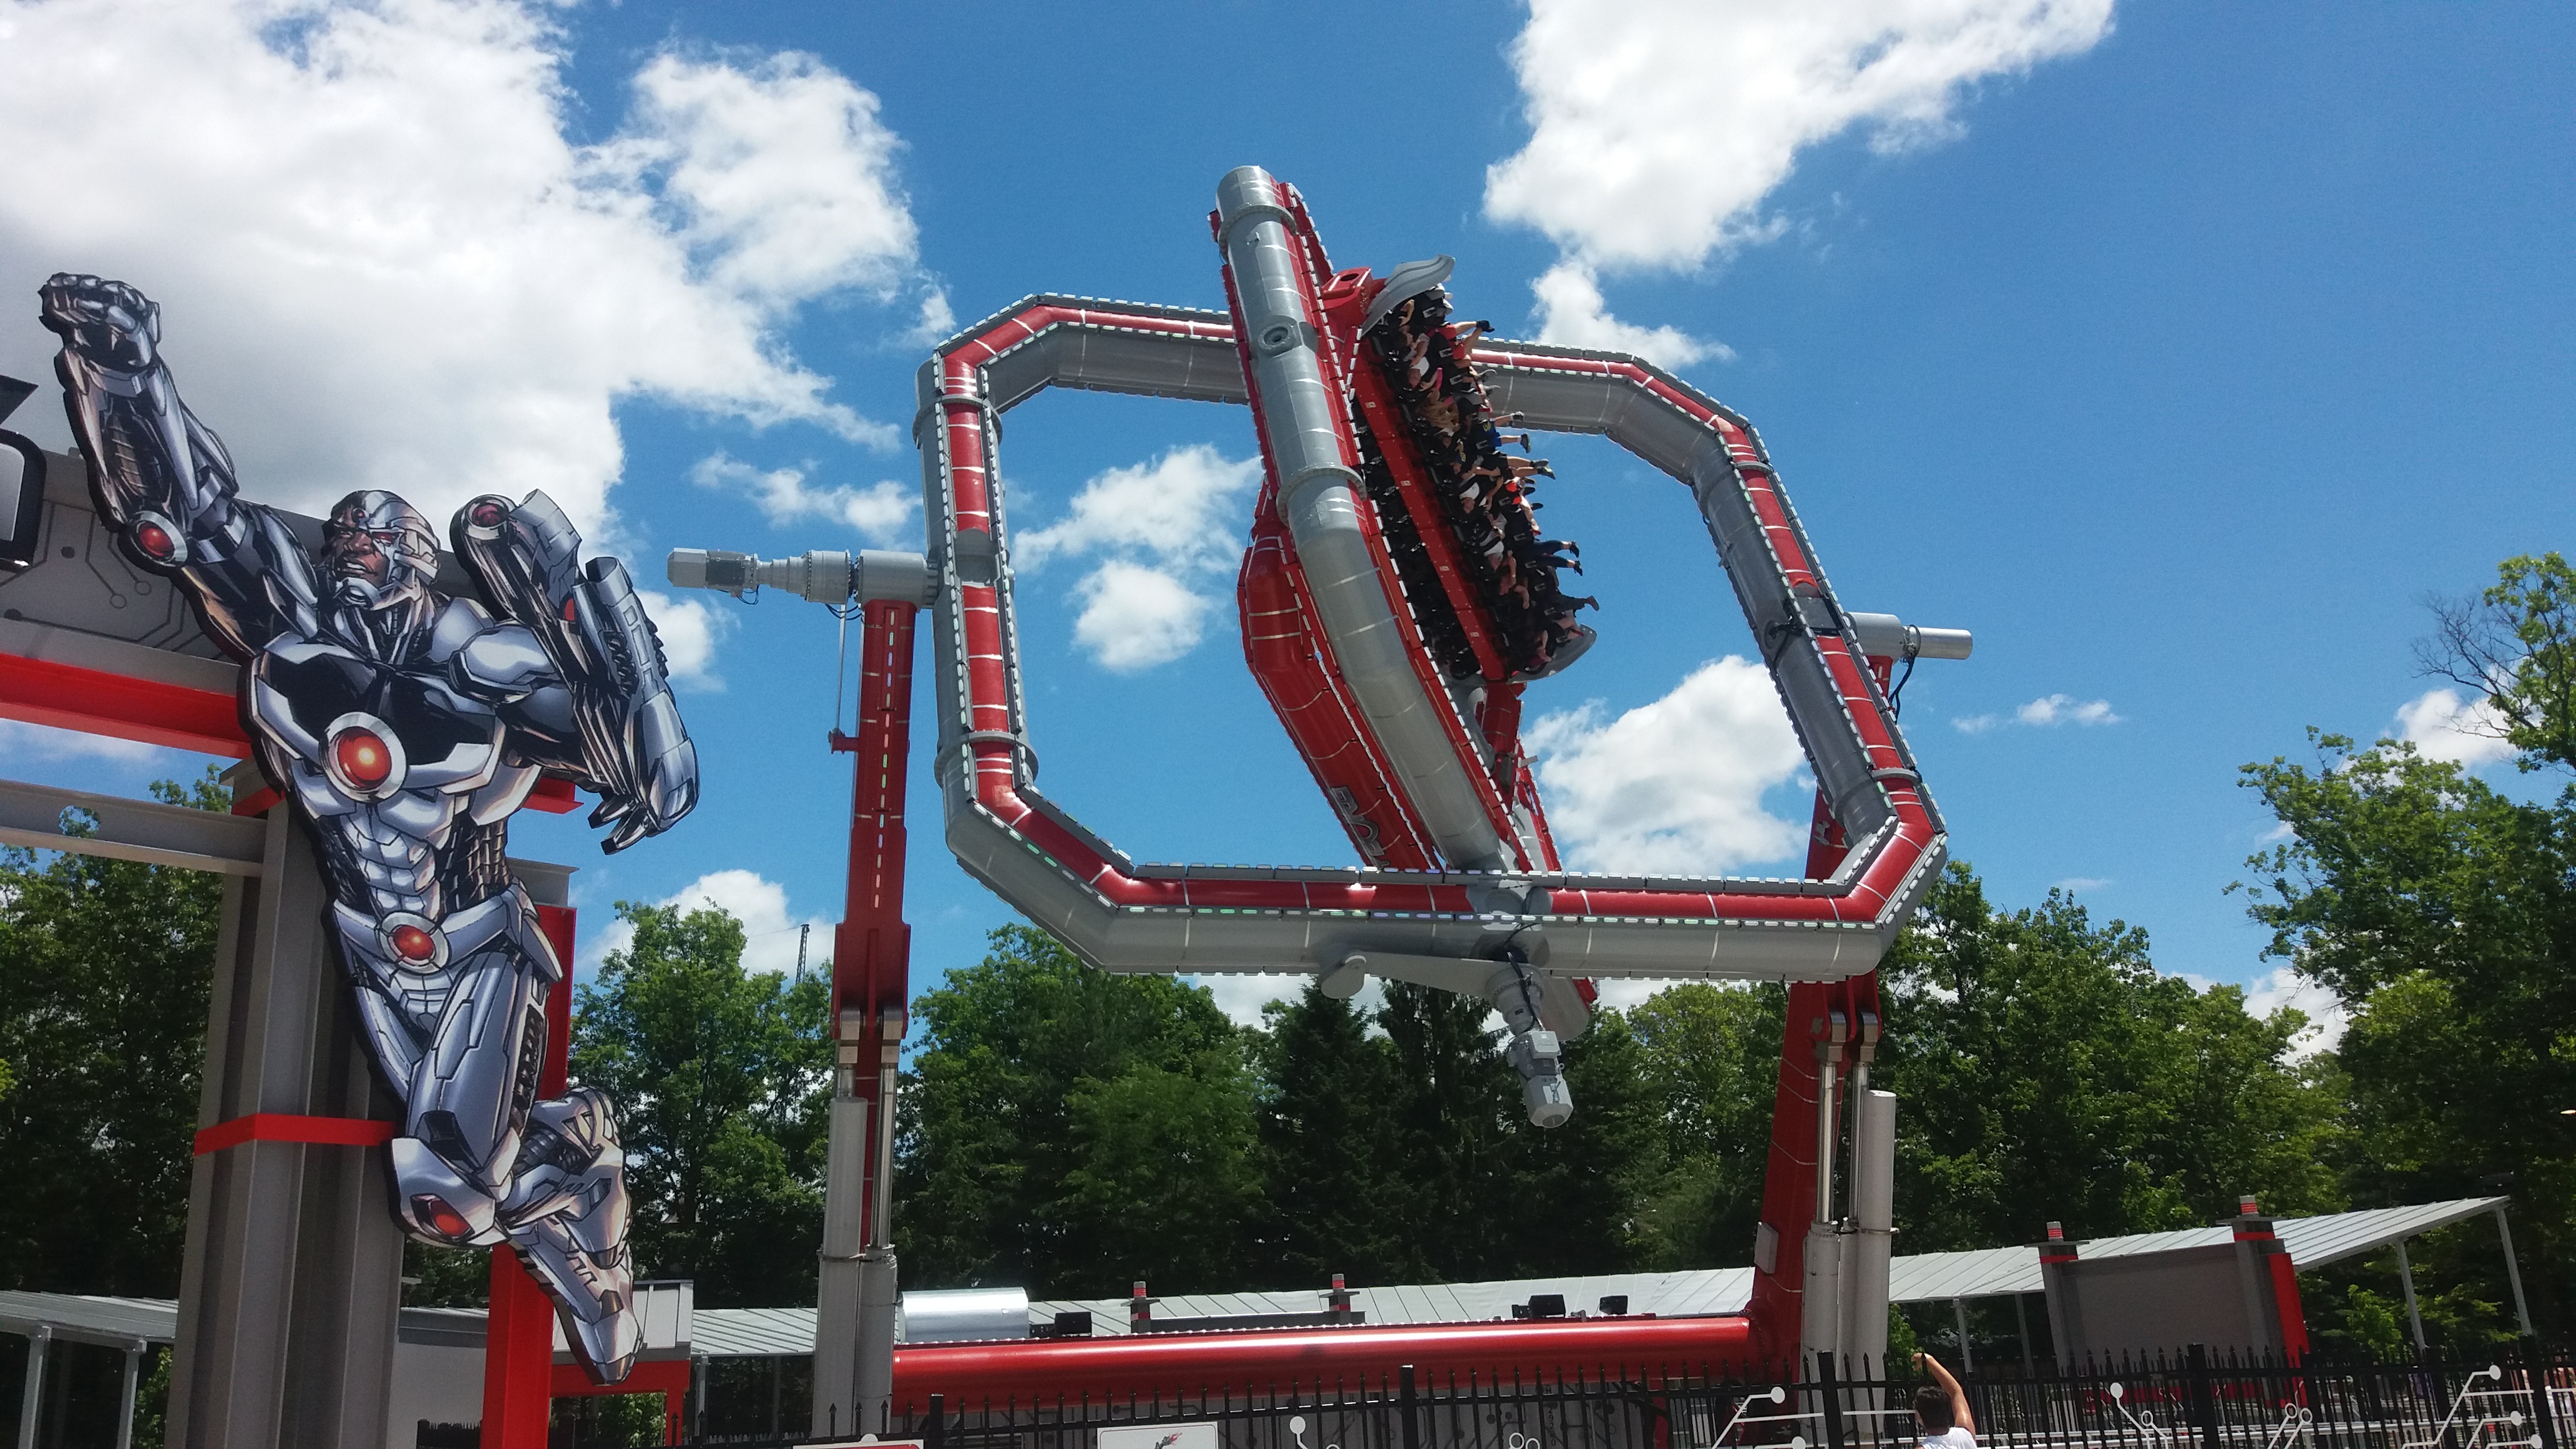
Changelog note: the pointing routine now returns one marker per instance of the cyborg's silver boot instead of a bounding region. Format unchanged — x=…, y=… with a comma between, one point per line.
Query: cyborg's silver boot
x=566, y=1217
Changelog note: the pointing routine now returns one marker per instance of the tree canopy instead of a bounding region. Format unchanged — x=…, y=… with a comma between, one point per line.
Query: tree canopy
x=104, y=975
x=2044, y=1069
x=722, y=1079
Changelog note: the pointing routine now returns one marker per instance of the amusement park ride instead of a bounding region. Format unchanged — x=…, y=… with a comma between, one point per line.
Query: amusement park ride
x=1396, y=601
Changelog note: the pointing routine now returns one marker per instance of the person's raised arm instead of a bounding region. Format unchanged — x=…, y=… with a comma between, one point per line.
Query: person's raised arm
x=1960, y=1414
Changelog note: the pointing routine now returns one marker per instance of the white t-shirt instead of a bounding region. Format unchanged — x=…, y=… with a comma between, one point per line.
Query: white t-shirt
x=1953, y=1437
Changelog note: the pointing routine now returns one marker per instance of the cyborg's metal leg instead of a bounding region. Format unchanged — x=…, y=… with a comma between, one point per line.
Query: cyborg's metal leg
x=566, y=1216
x=1534, y=1051
x=466, y=1102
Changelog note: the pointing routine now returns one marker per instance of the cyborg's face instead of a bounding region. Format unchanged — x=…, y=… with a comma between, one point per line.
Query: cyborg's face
x=377, y=551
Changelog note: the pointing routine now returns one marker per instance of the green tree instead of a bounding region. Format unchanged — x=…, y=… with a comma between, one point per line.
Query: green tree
x=104, y=971
x=2046, y=1070
x=2442, y=914
x=1328, y=1144
x=1710, y=1065
x=1451, y=1113
x=722, y=1079
x=1580, y=1189
x=1026, y=1144
x=1166, y=1182
x=2515, y=645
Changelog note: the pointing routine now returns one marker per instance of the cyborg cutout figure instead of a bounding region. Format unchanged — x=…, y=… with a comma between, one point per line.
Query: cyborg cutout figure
x=406, y=726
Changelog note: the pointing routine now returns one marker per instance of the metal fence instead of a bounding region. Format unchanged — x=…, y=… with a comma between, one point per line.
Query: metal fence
x=2521, y=1397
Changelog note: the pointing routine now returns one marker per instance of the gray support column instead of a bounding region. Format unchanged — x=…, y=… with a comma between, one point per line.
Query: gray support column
x=125, y=1393
x=2513, y=1272
x=1871, y=1242
x=836, y=1319
x=2406, y=1281
x=291, y=1288
x=1959, y=1315
x=31, y=1403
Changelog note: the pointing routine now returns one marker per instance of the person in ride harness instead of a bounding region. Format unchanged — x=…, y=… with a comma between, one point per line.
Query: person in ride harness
x=1941, y=1410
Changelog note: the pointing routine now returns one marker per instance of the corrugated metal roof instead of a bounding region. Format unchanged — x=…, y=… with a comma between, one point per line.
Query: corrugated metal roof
x=1975, y=1273
x=115, y=1322
x=753, y=1332
x=2315, y=1242
x=1917, y=1278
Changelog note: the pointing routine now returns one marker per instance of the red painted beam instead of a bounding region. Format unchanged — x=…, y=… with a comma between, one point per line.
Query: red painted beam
x=650, y=1376
x=93, y=701
x=1276, y=1359
x=174, y=716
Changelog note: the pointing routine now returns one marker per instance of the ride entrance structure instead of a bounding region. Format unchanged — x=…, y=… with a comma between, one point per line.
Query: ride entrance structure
x=1396, y=601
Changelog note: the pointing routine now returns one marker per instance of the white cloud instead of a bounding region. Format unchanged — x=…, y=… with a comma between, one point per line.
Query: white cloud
x=2285, y=987
x=1241, y=996
x=691, y=631
x=2045, y=711
x=1624, y=994
x=1135, y=617
x=384, y=263
x=2080, y=884
x=2442, y=727
x=2057, y=709
x=769, y=926
x=1572, y=314
x=1159, y=531
x=937, y=319
x=1658, y=127
x=782, y=176
x=882, y=512
x=1674, y=787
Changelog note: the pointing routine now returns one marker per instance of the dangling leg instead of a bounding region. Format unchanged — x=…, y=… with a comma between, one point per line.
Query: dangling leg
x=566, y=1215
x=472, y=1088
x=563, y=1205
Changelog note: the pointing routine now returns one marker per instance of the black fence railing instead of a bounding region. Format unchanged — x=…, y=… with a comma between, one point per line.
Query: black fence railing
x=2520, y=1397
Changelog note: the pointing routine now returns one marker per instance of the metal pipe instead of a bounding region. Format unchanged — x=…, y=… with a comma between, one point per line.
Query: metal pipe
x=125, y=1392
x=1967, y=1355
x=1040, y=859
x=1305, y=423
x=2406, y=1281
x=880, y=1216
x=1044, y=1368
x=33, y=1397
x=1873, y=1223
x=2513, y=1272
x=1829, y=1065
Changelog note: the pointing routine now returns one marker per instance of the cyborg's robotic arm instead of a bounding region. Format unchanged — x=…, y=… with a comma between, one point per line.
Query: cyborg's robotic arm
x=614, y=724
x=162, y=477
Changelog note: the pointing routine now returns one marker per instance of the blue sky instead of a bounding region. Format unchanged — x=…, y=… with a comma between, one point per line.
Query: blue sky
x=2177, y=351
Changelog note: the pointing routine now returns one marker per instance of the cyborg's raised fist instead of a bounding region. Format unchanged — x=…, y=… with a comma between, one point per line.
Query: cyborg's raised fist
x=105, y=323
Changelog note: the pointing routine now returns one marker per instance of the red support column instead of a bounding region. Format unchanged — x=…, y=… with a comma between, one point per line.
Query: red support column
x=519, y=1333
x=1789, y=1177
x=872, y=947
